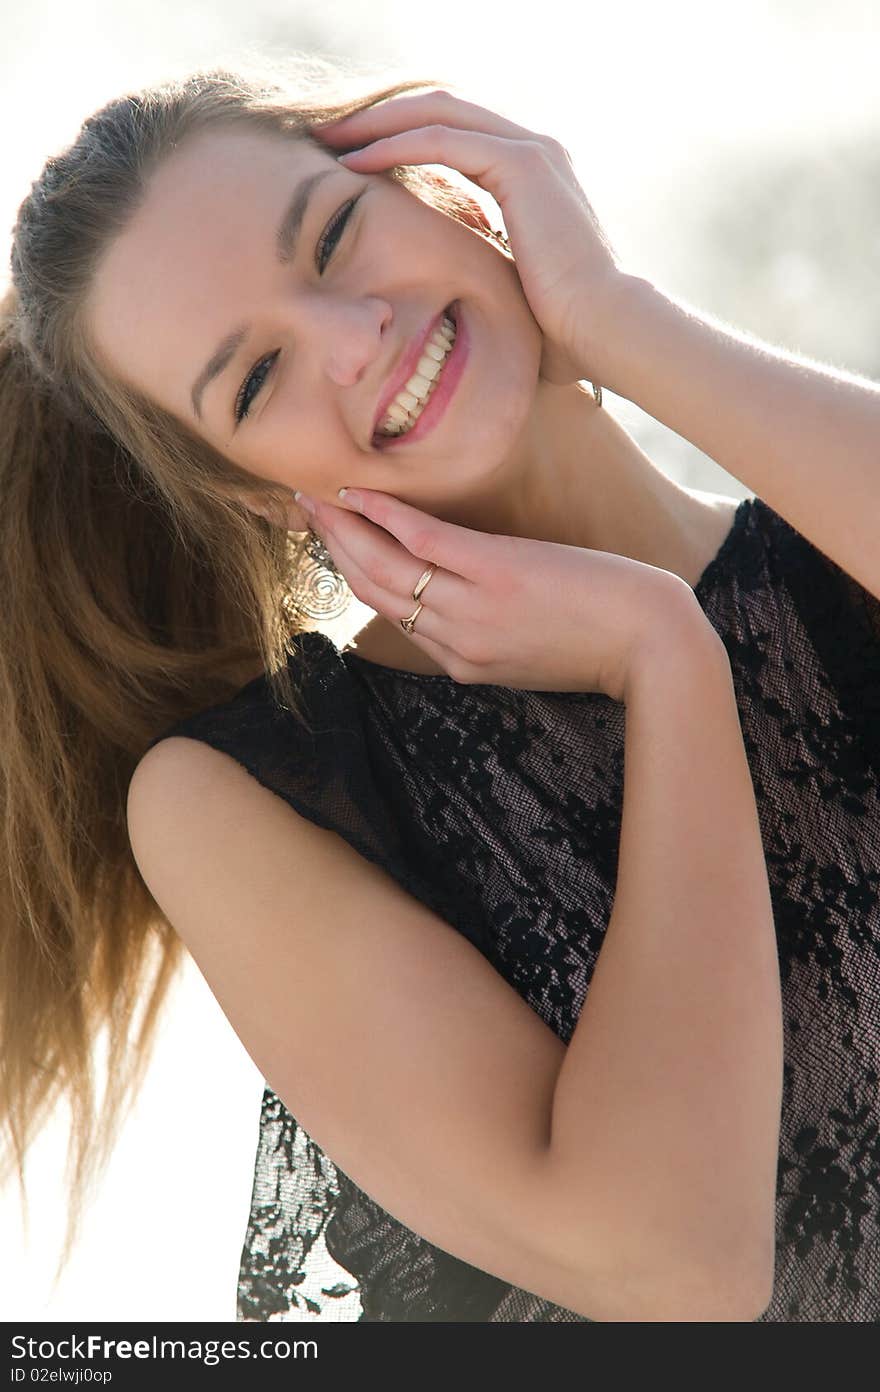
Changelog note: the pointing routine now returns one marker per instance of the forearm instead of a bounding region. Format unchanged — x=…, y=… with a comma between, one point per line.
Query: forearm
x=803, y=436
x=669, y=1094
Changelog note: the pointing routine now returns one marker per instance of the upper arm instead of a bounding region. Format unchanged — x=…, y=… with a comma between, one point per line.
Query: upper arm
x=398, y=1047
x=402, y=1052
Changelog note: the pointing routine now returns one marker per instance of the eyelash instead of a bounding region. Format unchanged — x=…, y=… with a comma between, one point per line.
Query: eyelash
x=336, y=223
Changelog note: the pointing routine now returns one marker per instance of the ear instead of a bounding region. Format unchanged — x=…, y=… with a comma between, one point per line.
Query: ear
x=297, y=518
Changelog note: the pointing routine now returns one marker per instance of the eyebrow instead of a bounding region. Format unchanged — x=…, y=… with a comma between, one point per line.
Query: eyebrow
x=286, y=239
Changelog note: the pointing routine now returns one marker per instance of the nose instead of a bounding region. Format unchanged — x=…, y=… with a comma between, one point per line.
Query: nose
x=351, y=336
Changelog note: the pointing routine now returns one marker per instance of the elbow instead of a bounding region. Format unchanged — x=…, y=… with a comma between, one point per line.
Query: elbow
x=732, y=1293
x=754, y=1289
x=733, y=1278
x=678, y=1296
x=738, y=1302
x=696, y=1294
x=757, y=1290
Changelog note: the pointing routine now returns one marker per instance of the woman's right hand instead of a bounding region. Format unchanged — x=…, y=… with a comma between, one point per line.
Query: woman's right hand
x=502, y=610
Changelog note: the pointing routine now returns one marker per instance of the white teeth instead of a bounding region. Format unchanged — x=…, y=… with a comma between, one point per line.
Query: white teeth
x=408, y=404
x=418, y=385
x=429, y=367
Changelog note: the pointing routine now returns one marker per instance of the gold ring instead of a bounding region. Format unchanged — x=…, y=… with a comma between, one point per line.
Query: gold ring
x=408, y=624
x=422, y=582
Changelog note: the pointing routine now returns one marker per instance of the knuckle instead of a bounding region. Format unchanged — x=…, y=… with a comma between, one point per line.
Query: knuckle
x=511, y=586
x=547, y=153
x=378, y=573
x=535, y=149
x=422, y=541
x=501, y=588
x=472, y=648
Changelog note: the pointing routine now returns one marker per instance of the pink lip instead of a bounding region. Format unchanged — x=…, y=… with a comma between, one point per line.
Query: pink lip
x=452, y=370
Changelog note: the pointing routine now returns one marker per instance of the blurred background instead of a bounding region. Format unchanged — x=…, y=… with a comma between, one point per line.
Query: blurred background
x=733, y=155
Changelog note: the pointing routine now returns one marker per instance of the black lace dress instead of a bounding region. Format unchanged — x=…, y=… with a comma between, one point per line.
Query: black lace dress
x=500, y=809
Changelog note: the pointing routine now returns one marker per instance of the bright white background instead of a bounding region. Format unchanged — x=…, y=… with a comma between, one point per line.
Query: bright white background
x=732, y=153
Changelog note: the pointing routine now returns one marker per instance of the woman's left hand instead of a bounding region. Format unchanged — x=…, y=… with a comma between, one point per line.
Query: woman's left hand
x=566, y=264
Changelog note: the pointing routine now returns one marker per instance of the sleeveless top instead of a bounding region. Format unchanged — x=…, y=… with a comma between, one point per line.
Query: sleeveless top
x=500, y=809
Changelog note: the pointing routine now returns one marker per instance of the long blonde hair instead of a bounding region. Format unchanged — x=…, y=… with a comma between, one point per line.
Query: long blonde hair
x=137, y=589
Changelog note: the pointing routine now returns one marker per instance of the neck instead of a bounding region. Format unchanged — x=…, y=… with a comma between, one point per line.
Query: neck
x=577, y=477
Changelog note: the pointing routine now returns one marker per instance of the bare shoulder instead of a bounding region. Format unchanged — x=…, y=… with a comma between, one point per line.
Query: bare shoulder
x=186, y=793
x=177, y=764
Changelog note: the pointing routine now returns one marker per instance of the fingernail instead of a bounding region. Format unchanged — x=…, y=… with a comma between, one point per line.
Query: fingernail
x=349, y=496
x=349, y=154
x=304, y=501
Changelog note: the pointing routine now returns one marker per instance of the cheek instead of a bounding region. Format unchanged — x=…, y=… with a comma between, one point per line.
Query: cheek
x=303, y=446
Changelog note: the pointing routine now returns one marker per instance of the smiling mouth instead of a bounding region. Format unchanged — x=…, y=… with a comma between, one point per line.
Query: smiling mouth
x=406, y=407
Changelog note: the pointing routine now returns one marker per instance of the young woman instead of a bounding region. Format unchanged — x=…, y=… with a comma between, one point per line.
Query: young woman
x=490, y=897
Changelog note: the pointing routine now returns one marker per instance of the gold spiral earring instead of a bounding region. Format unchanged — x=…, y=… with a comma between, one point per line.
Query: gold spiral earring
x=320, y=591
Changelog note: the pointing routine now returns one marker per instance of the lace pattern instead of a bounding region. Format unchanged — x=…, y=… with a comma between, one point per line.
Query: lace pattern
x=501, y=810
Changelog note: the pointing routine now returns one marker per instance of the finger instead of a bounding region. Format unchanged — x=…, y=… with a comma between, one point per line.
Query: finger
x=485, y=159
x=397, y=114
x=387, y=569
x=443, y=656
x=387, y=593
x=461, y=550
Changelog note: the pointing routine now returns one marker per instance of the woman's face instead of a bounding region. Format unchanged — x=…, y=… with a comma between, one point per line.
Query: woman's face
x=195, y=283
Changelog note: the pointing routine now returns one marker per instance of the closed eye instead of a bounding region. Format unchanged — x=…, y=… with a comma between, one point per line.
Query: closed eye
x=328, y=238
x=244, y=399
x=332, y=232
